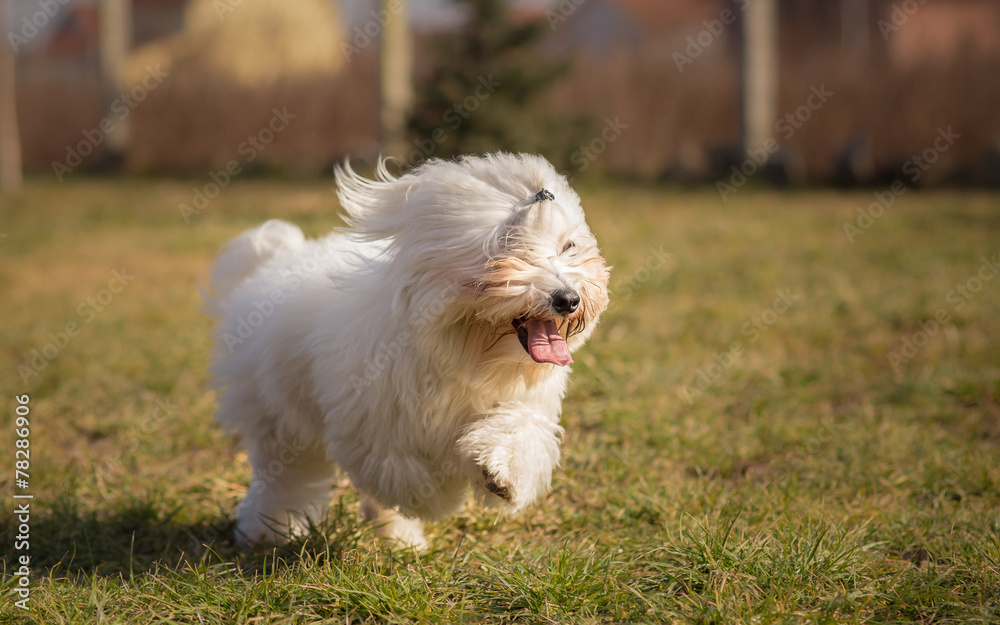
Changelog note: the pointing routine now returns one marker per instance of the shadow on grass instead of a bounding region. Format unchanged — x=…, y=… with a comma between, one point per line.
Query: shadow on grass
x=144, y=535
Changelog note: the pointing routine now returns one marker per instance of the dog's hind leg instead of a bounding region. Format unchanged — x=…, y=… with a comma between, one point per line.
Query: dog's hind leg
x=289, y=490
x=396, y=529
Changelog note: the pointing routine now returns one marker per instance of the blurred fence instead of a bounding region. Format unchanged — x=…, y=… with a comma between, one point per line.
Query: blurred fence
x=672, y=119
x=876, y=119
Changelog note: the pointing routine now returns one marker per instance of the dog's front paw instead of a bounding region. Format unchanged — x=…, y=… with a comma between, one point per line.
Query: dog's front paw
x=507, y=481
x=509, y=456
x=494, y=486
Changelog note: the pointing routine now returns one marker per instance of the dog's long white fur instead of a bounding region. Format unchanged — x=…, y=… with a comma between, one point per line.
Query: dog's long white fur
x=386, y=348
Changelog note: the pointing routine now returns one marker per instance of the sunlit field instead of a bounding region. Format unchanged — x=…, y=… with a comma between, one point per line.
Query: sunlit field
x=779, y=420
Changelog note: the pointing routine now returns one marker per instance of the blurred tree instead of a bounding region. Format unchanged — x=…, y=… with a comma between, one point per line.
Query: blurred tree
x=486, y=91
x=10, y=142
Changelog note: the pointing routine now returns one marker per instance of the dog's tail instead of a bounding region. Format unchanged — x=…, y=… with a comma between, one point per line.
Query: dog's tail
x=241, y=257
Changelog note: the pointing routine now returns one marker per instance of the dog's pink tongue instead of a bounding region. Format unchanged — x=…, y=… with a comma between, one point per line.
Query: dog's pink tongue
x=545, y=344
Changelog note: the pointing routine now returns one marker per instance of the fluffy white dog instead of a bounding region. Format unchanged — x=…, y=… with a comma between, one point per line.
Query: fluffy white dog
x=422, y=349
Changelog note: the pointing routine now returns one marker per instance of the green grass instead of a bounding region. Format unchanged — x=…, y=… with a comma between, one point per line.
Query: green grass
x=808, y=481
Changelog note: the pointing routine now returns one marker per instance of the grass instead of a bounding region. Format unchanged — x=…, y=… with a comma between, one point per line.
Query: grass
x=716, y=469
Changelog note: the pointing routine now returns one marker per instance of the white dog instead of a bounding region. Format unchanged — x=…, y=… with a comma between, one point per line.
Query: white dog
x=422, y=349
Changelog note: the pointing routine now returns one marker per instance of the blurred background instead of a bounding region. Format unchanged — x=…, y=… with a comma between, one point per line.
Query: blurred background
x=845, y=92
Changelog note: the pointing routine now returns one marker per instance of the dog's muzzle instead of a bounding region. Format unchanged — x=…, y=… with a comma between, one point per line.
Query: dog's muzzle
x=540, y=336
x=565, y=301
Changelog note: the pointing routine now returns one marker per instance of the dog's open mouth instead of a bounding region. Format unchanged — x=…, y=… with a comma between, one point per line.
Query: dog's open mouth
x=541, y=339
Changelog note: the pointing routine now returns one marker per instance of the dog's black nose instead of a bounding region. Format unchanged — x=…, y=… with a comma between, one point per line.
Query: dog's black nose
x=565, y=301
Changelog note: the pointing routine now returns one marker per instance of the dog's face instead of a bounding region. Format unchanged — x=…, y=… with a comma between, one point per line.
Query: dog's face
x=496, y=244
x=545, y=283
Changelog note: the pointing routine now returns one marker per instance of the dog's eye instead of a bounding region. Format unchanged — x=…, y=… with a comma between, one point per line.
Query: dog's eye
x=569, y=245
